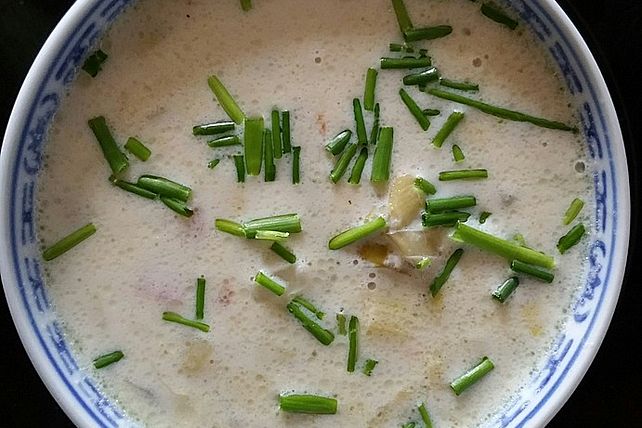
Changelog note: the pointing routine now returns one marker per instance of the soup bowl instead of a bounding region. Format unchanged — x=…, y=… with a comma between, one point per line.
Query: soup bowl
x=74, y=387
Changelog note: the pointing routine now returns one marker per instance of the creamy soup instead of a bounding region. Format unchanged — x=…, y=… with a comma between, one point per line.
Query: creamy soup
x=309, y=58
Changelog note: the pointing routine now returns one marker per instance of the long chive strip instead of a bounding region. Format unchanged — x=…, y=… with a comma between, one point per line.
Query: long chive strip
x=573, y=210
x=68, y=242
x=447, y=219
x=427, y=33
x=93, y=63
x=107, y=359
x=404, y=63
x=239, y=163
x=290, y=223
x=276, y=134
x=507, y=249
x=133, y=188
x=226, y=100
x=362, y=138
x=429, y=75
x=164, y=187
x=286, y=131
x=571, y=238
x=179, y=319
x=414, y=109
x=369, y=366
x=374, y=131
x=309, y=306
x=229, y=226
x=270, y=235
x=269, y=284
x=382, y=156
x=463, y=174
x=296, y=164
x=401, y=47
x=462, y=86
x=369, y=92
x=484, y=216
x=353, y=342
x=458, y=154
x=268, y=153
x=425, y=416
x=116, y=159
x=342, y=163
x=354, y=234
x=338, y=142
x=452, y=203
x=431, y=112
x=423, y=263
x=138, y=149
x=505, y=289
x=213, y=128
x=246, y=5
x=492, y=11
x=402, y=15
x=500, y=111
x=321, y=334
x=425, y=186
x=341, y=324
x=448, y=127
x=283, y=252
x=228, y=140
x=310, y=404
x=472, y=376
x=178, y=206
x=200, y=297
x=357, y=168
x=525, y=268
x=443, y=276
x=253, y=145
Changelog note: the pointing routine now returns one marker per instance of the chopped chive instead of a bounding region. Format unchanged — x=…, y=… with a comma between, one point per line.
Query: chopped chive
x=116, y=159
x=131, y=187
x=573, y=210
x=342, y=163
x=285, y=129
x=93, y=63
x=409, y=425
x=571, y=238
x=415, y=110
x=443, y=276
x=268, y=153
x=362, y=138
x=253, y=145
x=425, y=186
x=321, y=334
x=431, y=112
x=382, y=156
x=521, y=267
x=174, y=317
x=463, y=174
x=341, y=324
x=453, y=203
x=226, y=100
x=462, y=86
x=499, y=111
x=270, y=235
x=427, y=33
x=448, y=127
x=246, y=5
x=309, y=306
x=402, y=15
x=276, y=134
x=283, y=252
x=296, y=164
x=425, y=417
x=229, y=226
x=212, y=164
x=353, y=342
x=369, y=366
x=357, y=168
x=200, y=297
x=423, y=77
x=269, y=283
x=369, y=92
x=506, y=289
x=423, y=263
x=354, y=234
x=310, y=404
x=502, y=247
x=483, y=217
x=213, y=128
x=281, y=223
x=472, y=376
x=401, y=47
x=164, y=187
x=447, y=219
x=404, y=63
x=177, y=206
x=374, y=131
x=492, y=11
x=107, y=359
x=338, y=142
x=458, y=154
x=138, y=149
x=239, y=163
x=68, y=242
x=228, y=140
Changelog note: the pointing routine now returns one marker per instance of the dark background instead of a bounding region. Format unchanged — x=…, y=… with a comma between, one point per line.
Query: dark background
x=609, y=395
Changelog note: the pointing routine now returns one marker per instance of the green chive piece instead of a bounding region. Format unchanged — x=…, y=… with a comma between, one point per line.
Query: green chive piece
x=138, y=149
x=246, y=5
x=463, y=174
x=425, y=186
x=338, y=142
x=200, y=297
x=521, y=267
x=402, y=15
x=296, y=164
x=369, y=366
x=283, y=252
x=453, y=203
x=462, y=86
x=425, y=417
x=179, y=319
x=268, y=153
x=473, y=375
x=321, y=334
x=133, y=188
x=310, y=404
x=423, y=263
x=448, y=127
x=447, y=219
x=287, y=138
x=357, y=169
x=177, y=206
x=573, y=210
x=501, y=247
x=226, y=100
x=116, y=159
x=107, y=359
x=427, y=33
x=290, y=223
x=253, y=145
x=458, y=154
x=382, y=156
x=499, y=111
x=356, y=233
x=428, y=75
x=369, y=92
x=341, y=324
x=239, y=163
x=401, y=47
x=443, y=276
x=409, y=425
x=404, y=63
x=571, y=238
x=93, y=63
x=483, y=217
x=414, y=109
x=229, y=226
x=353, y=342
x=309, y=306
x=505, y=289
x=492, y=11
x=342, y=163
x=362, y=138
x=270, y=235
x=374, y=131
x=164, y=187
x=431, y=112
x=213, y=128
x=212, y=164
x=68, y=242
x=269, y=284
x=228, y=140
x=276, y=134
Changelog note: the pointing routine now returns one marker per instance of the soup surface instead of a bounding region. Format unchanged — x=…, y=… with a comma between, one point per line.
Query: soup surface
x=309, y=58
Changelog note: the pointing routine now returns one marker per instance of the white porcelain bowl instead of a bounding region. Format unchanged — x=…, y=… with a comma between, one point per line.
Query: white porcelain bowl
x=75, y=390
